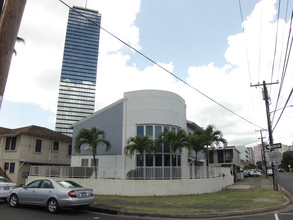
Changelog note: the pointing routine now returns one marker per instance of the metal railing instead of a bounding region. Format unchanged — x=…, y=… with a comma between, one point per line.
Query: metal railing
x=137, y=173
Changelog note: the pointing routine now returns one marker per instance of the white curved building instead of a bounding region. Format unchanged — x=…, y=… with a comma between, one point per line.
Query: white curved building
x=145, y=113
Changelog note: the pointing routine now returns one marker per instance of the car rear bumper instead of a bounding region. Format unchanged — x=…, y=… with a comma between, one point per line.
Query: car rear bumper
x=76, y=202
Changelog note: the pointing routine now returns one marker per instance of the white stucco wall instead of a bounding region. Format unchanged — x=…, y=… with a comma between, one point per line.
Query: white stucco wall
x=154, y=187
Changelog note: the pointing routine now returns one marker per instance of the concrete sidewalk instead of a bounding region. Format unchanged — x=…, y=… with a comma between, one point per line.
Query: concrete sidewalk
x=252, y=183
x=247, y=183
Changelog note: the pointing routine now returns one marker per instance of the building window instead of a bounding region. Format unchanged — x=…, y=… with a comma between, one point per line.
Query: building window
x=84, y=162
x=163, y=156
x=139, y=130
x=220, y=156
x=139, y=162
x=38, y=147
x=69, y=150
x=56, y=146
x=6, y=166
x=7, y=144
x=228, y=156
x=10, y=143
x=12, y=167
x=149, y=131
x=92, y=162
x=211, y=156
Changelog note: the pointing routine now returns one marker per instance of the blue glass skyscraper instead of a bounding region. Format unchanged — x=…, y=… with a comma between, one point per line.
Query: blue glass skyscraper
x=77, y=89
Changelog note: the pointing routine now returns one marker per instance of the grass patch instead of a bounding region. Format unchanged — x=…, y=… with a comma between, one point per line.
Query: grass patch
x=223, y=201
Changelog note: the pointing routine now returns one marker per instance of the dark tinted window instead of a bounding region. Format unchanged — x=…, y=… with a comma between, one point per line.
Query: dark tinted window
x=38, y=147
x=13, y=143
x=7, y=144
x=56, y=146
x=3, y=180
x=33, y=184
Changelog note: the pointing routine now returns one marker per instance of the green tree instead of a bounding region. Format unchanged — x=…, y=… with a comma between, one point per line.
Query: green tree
x=287, y=159
x=93, y=137
x=175, y=140
x=211, y=138
x=142, y=144
x=259, y=165
x=196, y=144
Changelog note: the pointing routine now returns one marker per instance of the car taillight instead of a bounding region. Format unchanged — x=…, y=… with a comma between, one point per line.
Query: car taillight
x=92, y=193
x=72, y=194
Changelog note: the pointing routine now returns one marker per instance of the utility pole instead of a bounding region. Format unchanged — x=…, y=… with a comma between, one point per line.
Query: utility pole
x=271, y=140
x=10, y=19
x=264, y=161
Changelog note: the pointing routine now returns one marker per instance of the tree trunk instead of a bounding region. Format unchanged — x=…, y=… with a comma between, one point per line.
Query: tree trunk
x=9, y=26
x=95, y=165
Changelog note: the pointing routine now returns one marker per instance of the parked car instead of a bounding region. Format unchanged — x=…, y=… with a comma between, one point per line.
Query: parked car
x=5, y=187
x=251, y=172
x=269, y=172
x=51, y=193
x=254, y=172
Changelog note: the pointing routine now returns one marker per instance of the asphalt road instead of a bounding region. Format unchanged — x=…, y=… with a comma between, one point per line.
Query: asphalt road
x=40, y=213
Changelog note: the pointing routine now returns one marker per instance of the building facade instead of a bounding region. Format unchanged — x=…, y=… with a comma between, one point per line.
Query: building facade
x=226, y=157
x=142, y=113
x=33, y=145
x=77, y=89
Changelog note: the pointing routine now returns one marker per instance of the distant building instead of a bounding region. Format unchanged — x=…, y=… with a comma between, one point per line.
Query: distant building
x=33, y=145
x=258, y=153
x=77, y=89
x=226, y=157
x=244, y=154
x=250, y=155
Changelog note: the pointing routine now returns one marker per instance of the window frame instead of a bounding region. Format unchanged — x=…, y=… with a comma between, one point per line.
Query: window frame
x=55, y=145
x=12, y=167
x=38, y=146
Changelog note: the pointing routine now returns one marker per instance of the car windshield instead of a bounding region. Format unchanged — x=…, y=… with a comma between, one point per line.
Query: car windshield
x=68, y=184
x=3, y=180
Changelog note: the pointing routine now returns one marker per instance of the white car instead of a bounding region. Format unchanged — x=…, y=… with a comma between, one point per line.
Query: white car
x=269, y=172
x=51, y=193
x=5, y=187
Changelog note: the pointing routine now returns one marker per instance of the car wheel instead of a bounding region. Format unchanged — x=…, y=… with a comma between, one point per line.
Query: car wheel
x=13, y=201
x=52, y=205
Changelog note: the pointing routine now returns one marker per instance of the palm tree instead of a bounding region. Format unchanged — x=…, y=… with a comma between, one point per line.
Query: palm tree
x=93, y=137
x=176, y=141
x=142, y=144
x=196, y=144
x=211, y=137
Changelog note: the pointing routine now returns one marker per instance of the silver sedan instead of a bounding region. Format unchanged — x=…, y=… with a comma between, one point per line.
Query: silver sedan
x=5, y=186
x=52, y=193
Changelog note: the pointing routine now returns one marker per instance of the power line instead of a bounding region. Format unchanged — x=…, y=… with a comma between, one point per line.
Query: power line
x=245, y=44
x=260, y=35
x=285, y=64
x=163, y=68
x=283, y=109
x=276, y=41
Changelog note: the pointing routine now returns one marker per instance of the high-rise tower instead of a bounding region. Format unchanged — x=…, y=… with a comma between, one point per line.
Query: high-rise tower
x=77, y=89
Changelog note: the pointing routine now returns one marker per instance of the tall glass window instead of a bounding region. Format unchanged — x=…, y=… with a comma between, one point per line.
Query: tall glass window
x=163, y=157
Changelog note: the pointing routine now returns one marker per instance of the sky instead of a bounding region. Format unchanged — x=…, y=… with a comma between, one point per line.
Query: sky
x=216, y=51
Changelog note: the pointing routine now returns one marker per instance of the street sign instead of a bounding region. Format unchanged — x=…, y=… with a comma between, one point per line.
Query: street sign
x=275, y=146
x=276, y=157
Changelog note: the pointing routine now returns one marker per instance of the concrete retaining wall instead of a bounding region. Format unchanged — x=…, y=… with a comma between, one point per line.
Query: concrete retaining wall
x=153, y=187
